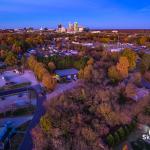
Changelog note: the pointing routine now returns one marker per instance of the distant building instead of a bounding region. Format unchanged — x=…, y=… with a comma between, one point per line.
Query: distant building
x=59, y=26
x=70, y=27
x=81, y=29
x=116, y=49
x=63, y=29
x=115, y=31
x=95, y=32
x=76, y=27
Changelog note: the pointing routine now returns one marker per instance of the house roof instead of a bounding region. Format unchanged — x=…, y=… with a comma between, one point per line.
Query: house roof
x=66, y=72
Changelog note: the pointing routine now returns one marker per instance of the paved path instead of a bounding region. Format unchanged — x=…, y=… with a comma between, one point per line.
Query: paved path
x=40, y=111
x=62, y=88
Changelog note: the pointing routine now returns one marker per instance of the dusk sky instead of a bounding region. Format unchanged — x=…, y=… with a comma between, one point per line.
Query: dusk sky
x=90, y=13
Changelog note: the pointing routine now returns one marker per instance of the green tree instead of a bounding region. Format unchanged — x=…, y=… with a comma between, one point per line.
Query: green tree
x=127, y=132
x=45, y=124
x=121, y=133
x=116, y=138
x=110, y=140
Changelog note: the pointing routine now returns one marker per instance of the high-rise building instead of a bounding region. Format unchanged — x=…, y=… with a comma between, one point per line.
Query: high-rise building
x=59, y=26
x=76, y=28
x=70, y=27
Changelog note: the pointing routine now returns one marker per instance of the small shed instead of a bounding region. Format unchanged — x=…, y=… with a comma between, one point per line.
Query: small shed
x=68, y=74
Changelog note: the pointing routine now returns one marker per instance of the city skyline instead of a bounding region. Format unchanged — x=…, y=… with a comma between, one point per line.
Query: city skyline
x=100, y=14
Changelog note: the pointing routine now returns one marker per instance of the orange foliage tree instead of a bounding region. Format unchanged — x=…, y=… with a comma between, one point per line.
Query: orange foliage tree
x=123, y=66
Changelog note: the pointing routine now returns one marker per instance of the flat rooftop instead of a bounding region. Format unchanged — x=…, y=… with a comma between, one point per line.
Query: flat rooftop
x=66, y=72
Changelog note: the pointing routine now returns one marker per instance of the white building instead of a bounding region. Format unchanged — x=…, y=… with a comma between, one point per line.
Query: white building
x=115, y=31
x=95, y=32
x=116, y=49
x=81, y=29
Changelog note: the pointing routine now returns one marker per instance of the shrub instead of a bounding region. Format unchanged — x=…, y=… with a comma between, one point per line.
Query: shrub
x=133, y=124
x=127, y=132
x=45, y=124
x=110, y=140
x=116, y=138
x=121, y=133
x=129, y=127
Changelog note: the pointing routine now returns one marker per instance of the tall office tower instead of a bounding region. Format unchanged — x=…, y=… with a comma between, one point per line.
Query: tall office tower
x=76, y=28
x=59, y=27
x=70, y=27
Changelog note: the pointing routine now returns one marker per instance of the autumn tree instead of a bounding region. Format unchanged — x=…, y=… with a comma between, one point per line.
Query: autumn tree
x=49, y=82
x=130, y=90
x=113, y=74
x=105, y=40
x=3, y=54
x=41, y=73
x=137, y=78
x=90, y=61
x=45, y=123
x=51, y=66
x=147, y=76
x=39, y=139
x=11, y=59
x=31, y=62
x=38, y=66
x=123, y=66
x=81, y=74
x=17, y=47
x=145, y=63
x=142, y=40
x=131, y=56
x=88, y=72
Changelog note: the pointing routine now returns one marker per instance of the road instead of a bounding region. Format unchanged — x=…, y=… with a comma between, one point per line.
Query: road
x=40, y=111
